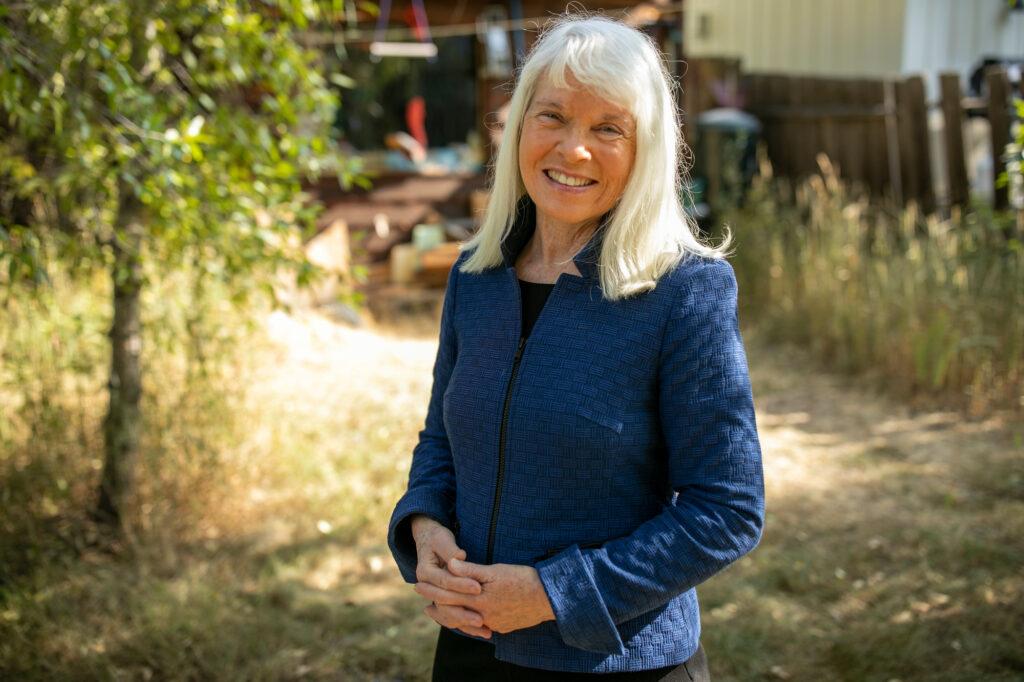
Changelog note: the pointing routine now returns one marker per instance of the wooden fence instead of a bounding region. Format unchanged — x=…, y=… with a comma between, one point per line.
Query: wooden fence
x=874, y=131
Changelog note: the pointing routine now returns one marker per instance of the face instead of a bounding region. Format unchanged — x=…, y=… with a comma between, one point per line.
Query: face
x=576, y=152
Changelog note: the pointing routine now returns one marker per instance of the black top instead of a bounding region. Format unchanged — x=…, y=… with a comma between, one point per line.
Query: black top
x=534, y=295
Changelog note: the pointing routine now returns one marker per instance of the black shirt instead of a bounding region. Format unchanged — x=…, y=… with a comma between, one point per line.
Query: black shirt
x=534, y=295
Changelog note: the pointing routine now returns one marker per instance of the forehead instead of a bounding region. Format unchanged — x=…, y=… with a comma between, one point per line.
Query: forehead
x=580, y=99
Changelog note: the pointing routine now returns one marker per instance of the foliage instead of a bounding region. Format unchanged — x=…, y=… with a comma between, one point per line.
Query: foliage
x=212, y=133
x=1013, y=156
x=931, y=308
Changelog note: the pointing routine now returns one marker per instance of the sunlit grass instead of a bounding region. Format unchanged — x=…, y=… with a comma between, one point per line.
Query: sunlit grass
x=892, y=548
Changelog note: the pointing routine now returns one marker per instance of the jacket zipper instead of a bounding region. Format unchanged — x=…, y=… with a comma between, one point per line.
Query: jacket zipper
x=501, y=452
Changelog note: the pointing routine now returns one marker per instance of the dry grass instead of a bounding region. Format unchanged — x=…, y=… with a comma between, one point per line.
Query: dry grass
x=892, y=549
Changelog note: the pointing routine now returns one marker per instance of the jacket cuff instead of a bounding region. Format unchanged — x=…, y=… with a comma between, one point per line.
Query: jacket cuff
x=582, y=617
x=400, y=541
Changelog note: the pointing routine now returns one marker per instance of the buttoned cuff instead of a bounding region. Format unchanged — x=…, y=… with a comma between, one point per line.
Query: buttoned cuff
x=580, y=612
x=400, y=540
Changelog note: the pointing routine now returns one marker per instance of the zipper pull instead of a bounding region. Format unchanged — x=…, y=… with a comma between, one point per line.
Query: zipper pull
x=519, y=349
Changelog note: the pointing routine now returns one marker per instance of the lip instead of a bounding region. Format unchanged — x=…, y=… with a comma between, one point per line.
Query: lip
x=571, y=175
x=566, y=188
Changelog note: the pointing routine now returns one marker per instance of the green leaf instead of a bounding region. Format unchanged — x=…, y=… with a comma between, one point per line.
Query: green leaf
x=342, y=80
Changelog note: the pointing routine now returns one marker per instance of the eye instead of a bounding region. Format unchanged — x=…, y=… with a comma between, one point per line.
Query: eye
x=609, y=130
x=550, y=115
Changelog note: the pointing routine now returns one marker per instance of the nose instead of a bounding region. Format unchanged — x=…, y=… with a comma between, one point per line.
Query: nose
x=574, y=147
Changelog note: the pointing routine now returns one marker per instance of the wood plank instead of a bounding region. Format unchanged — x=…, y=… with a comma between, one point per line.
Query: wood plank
x=852, y=136
x=953, y=139
x=999, y=121
x=872, y=141
x=921, y=157
x=907, y=149
x=892, y=141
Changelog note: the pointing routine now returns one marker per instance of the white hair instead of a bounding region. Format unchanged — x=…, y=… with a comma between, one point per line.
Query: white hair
x=647, y=232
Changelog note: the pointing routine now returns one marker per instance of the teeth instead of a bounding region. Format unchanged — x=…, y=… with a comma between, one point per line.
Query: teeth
x=568, y=180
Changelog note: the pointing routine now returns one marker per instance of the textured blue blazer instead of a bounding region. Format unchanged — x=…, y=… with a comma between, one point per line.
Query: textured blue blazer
x=616, y=451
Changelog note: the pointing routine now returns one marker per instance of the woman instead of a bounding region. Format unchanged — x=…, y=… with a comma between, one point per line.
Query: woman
x=590, y=452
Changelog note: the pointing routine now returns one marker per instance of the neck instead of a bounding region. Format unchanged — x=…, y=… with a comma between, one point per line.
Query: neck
x=554, y=242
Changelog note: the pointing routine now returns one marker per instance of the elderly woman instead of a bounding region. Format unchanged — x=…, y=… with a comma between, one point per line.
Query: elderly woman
x=590, y=453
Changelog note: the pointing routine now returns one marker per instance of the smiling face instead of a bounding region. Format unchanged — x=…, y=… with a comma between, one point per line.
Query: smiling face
x=576, y=152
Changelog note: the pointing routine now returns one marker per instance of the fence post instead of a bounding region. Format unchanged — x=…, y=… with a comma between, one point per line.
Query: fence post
x=999, y=122
x=953, y=113
x=893, y=141
x=913, y=115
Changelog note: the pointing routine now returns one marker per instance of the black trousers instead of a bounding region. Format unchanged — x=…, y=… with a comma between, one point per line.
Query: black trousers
x=463, y=659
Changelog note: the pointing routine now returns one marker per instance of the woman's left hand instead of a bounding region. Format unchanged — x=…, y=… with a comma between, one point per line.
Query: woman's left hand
x=513, y=596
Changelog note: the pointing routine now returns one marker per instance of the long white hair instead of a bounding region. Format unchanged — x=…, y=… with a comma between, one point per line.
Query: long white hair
x=647, y=232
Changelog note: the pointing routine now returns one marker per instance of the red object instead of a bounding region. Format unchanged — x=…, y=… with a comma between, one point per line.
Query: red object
x=416, y=118
x=410, y=18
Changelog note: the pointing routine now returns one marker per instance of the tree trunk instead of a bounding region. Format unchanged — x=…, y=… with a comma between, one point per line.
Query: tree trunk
x=122, y=426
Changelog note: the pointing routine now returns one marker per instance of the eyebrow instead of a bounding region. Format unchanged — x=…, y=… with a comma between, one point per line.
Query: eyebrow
x=547, y=103
x=616, y=118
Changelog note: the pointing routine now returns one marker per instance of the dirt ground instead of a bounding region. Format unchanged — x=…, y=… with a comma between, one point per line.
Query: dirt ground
x=892, y=550
x=893, y=539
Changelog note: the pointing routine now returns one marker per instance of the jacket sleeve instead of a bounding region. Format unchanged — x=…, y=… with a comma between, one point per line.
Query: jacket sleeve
x=431, y=488
x=714, y=464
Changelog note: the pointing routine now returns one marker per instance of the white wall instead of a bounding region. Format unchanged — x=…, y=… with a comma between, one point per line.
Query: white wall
x=867, y=38
x=809, y=37
x=952, y=35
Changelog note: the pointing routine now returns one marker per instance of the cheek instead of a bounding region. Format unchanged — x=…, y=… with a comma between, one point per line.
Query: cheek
x=620, y=166
x=532, y=145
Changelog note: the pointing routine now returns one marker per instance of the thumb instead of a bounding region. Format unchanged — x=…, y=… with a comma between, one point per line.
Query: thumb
x=445, y=547
x=467, y=569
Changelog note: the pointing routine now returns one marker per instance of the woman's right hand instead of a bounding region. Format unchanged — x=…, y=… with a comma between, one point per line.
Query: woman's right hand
x=435, y=546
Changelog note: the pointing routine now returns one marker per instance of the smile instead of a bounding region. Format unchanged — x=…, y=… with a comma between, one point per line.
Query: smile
x=569, y=180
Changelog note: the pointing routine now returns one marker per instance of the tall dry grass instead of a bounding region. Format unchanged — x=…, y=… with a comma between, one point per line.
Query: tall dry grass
x=930, y=308
x=54, y=365
x=273, y=448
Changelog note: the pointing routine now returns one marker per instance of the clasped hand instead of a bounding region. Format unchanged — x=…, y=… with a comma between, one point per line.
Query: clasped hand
x=477, y=599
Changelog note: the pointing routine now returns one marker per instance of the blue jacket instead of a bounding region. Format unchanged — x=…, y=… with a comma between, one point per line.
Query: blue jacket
x=615, y=451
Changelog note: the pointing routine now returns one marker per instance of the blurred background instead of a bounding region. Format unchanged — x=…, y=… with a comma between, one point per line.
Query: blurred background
x=225, y=228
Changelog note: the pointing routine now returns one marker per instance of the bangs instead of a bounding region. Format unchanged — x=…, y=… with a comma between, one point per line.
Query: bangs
x=597, y=62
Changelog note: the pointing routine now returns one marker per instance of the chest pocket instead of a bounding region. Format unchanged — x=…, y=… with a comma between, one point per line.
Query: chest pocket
x=599, y=416
x=597, y=425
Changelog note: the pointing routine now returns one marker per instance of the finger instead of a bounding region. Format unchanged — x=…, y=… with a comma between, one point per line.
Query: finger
x=486, y=634
x=444, y=543
x=435, y=613
x=442, y=596
x=453, y=583
x=460, y=617
x=467, y=569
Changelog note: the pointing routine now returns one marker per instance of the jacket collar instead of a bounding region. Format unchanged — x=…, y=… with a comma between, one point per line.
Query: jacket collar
x=525, y=224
